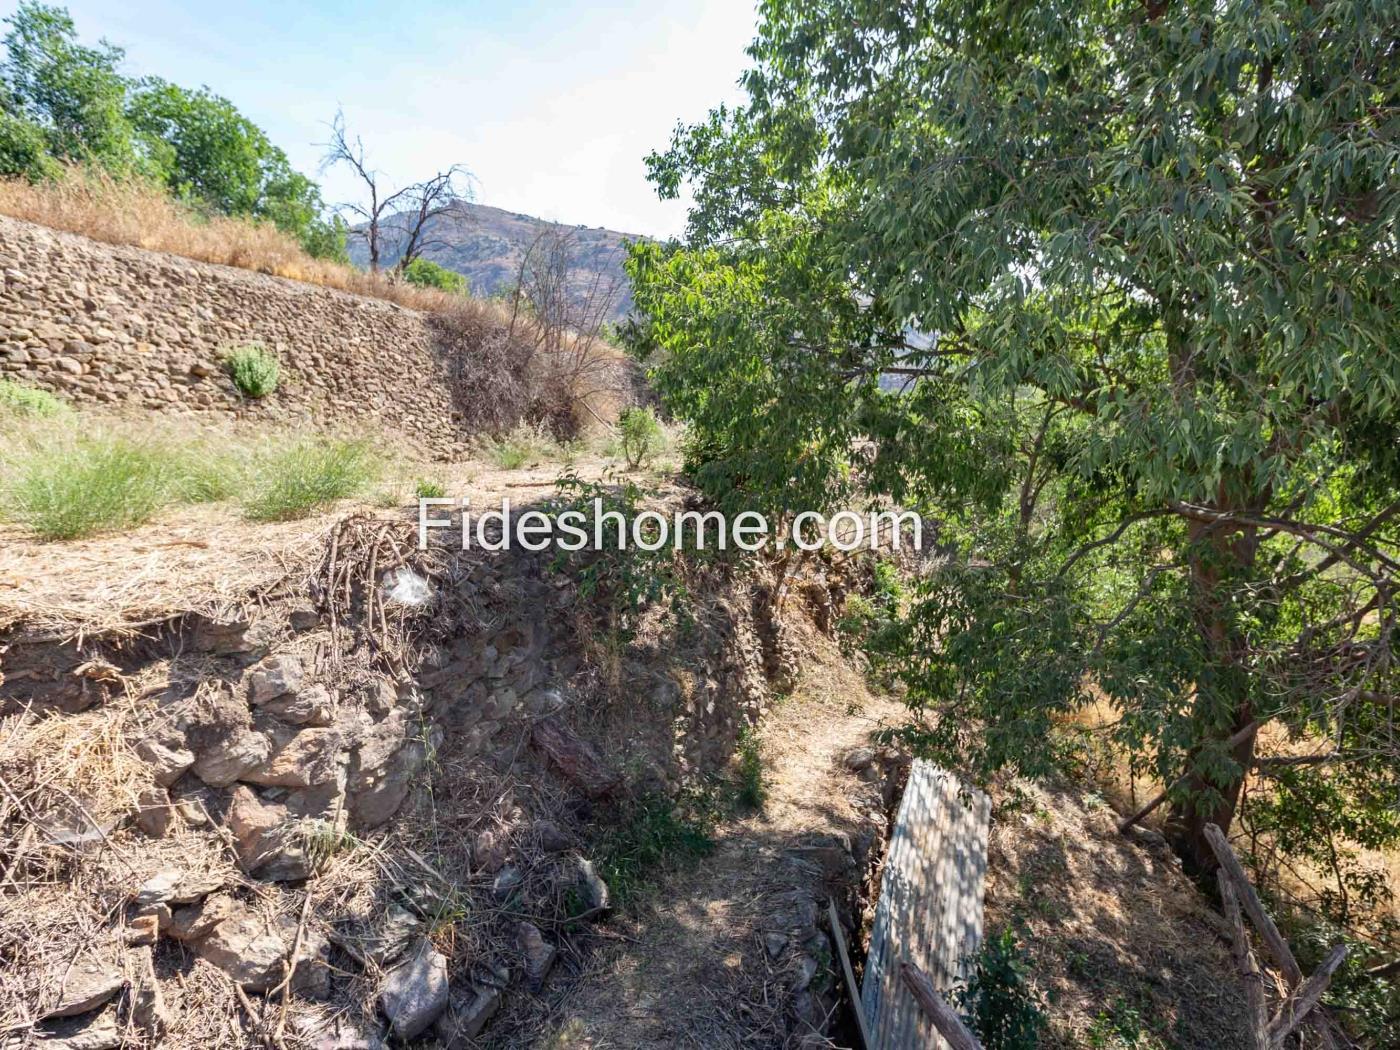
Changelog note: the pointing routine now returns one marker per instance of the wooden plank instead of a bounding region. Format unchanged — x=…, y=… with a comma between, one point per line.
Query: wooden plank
x=930, y=908
x=944, y=1017
x=852, y=989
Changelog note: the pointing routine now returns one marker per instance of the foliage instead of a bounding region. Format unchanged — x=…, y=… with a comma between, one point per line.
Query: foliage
x=295, y=481
x=640, y=435
x=67, y=485
x=1157, y=245
x=653, y=831
x=753, y=792
x=17, y=399
x=997, y=1000
x=254, y=370
x=525, y=445
x=427, y=274
x=427, y=488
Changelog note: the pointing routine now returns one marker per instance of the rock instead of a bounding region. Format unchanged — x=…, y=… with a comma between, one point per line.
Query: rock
x=774, y=943
x=74, y=1033
x=232, y=756
x=490, y=850
x=415, y=992
x=311, y=757
x=167, y=764
x=155, y=814
x=173, y=886
x=507, y=881
x=343, y=1034
x=89, y=982
x=144, y=929
x=252, y=949
x=859, y=759
x=198, y=921
x=807, y=968
x=575, y=758
x=313, y=706
x=390, y=936
x=551, y=837
x=148, y=1010
x=539, y=954
x=275, y=676
x=593, y=891
x=268, y=842
x=466, y=1016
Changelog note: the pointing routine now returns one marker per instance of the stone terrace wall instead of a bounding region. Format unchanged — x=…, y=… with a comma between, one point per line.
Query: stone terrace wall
x=123, y=326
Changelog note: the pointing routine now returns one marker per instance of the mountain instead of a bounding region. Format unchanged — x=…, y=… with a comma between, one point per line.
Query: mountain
x=487, y=245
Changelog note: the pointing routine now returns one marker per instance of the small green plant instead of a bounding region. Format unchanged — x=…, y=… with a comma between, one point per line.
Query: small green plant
x=654, y=830
x=296, y=481
x=254, y=370
x=753, y=792
x=427, y=274
x=523, y=446
x=27, y=401
x=997, y=1000
x=426, y=488
x=1119, y=1028
x=76, y=485
x=640, y=435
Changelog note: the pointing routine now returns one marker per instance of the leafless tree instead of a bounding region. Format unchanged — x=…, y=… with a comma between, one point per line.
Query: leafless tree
x=411, y=219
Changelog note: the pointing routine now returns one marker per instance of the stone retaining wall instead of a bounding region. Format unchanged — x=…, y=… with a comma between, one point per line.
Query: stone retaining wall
x=123, y=326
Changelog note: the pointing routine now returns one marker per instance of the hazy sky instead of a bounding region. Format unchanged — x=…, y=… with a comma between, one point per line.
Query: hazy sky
x=551, y=105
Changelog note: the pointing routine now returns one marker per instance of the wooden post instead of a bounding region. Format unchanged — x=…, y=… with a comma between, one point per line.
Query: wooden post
x=1296, y=1008
x=1249, y=969
x=948, y=1023
x=852, y=989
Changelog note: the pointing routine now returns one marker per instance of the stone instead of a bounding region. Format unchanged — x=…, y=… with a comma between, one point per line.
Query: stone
x=147, y=1004
x=460, y=1025
x=415, y=992
x=490, y=850
x=313, y=707
x=575, y=758
x=144, y=929
x=551, y=837
x=229, y=637
x=592, y=890
x=343, y=1034
x=232, y=756
x=506, y=882
x=807, y=968
x=268, y=842
x=860, y=758
x=198, y=921
x=774, y=943
x=275, y=676
x=155, y=813
x=89, y=982
x=173, y=886
x=80, y=1033
x=167, y=764
x=310, y=757
x=539, y=954
x=252, y=950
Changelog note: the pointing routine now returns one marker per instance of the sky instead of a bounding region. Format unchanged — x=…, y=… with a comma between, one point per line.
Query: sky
x=550, y=105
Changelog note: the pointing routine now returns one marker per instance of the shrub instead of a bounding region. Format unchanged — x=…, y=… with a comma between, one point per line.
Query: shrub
x=67, y=486
x=27, y=401
x=425, y=488
x=753, y=792
x=654, y=830
x=293, y=482
x=254, y=370
x=997, y=999
x=427, y=274
x=640, y=434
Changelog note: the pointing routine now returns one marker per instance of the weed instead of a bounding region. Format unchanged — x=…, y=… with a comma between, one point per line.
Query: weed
x=997, y=1000
x=655, y=830
x=65, y=485
x=295, y=481
x=753, y=792
x=254, y=370
x=426, y=488
x=640, y=435
x=27, y=401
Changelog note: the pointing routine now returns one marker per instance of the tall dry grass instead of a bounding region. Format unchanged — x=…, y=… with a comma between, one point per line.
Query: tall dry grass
x=142, y=214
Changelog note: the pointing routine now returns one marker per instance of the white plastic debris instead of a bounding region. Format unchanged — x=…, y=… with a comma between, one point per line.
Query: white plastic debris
x=405, y=587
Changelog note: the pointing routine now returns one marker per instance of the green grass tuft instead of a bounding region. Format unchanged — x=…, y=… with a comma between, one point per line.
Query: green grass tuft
x=27, y=401
x=254, y=370
x=753, y=792
x=426, y=488
x=293, y=482
x=655, y=830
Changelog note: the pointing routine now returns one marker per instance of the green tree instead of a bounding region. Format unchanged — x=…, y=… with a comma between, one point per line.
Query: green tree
x=427, y=274
x=71, y=93
x=1154, y=248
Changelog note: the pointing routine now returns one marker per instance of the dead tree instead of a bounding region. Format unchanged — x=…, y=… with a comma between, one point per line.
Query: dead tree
x=408, y=220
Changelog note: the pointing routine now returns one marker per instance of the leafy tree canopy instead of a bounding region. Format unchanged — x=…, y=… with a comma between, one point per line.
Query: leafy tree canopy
x=1110, y=288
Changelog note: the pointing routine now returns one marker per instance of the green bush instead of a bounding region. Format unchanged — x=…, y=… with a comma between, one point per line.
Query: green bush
x=997, y=1000
x=753, y=792
x=296, y=481
x=641, y=436
x=75, y=485
x=27, y=401
x=428, y=274
x=254, y=370
x=426, y=488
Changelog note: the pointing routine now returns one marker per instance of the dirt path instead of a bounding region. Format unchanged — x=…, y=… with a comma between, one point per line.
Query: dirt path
x=715, y=956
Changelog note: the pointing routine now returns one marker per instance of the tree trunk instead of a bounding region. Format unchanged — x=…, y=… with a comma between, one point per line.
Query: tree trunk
x=1221, y=558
